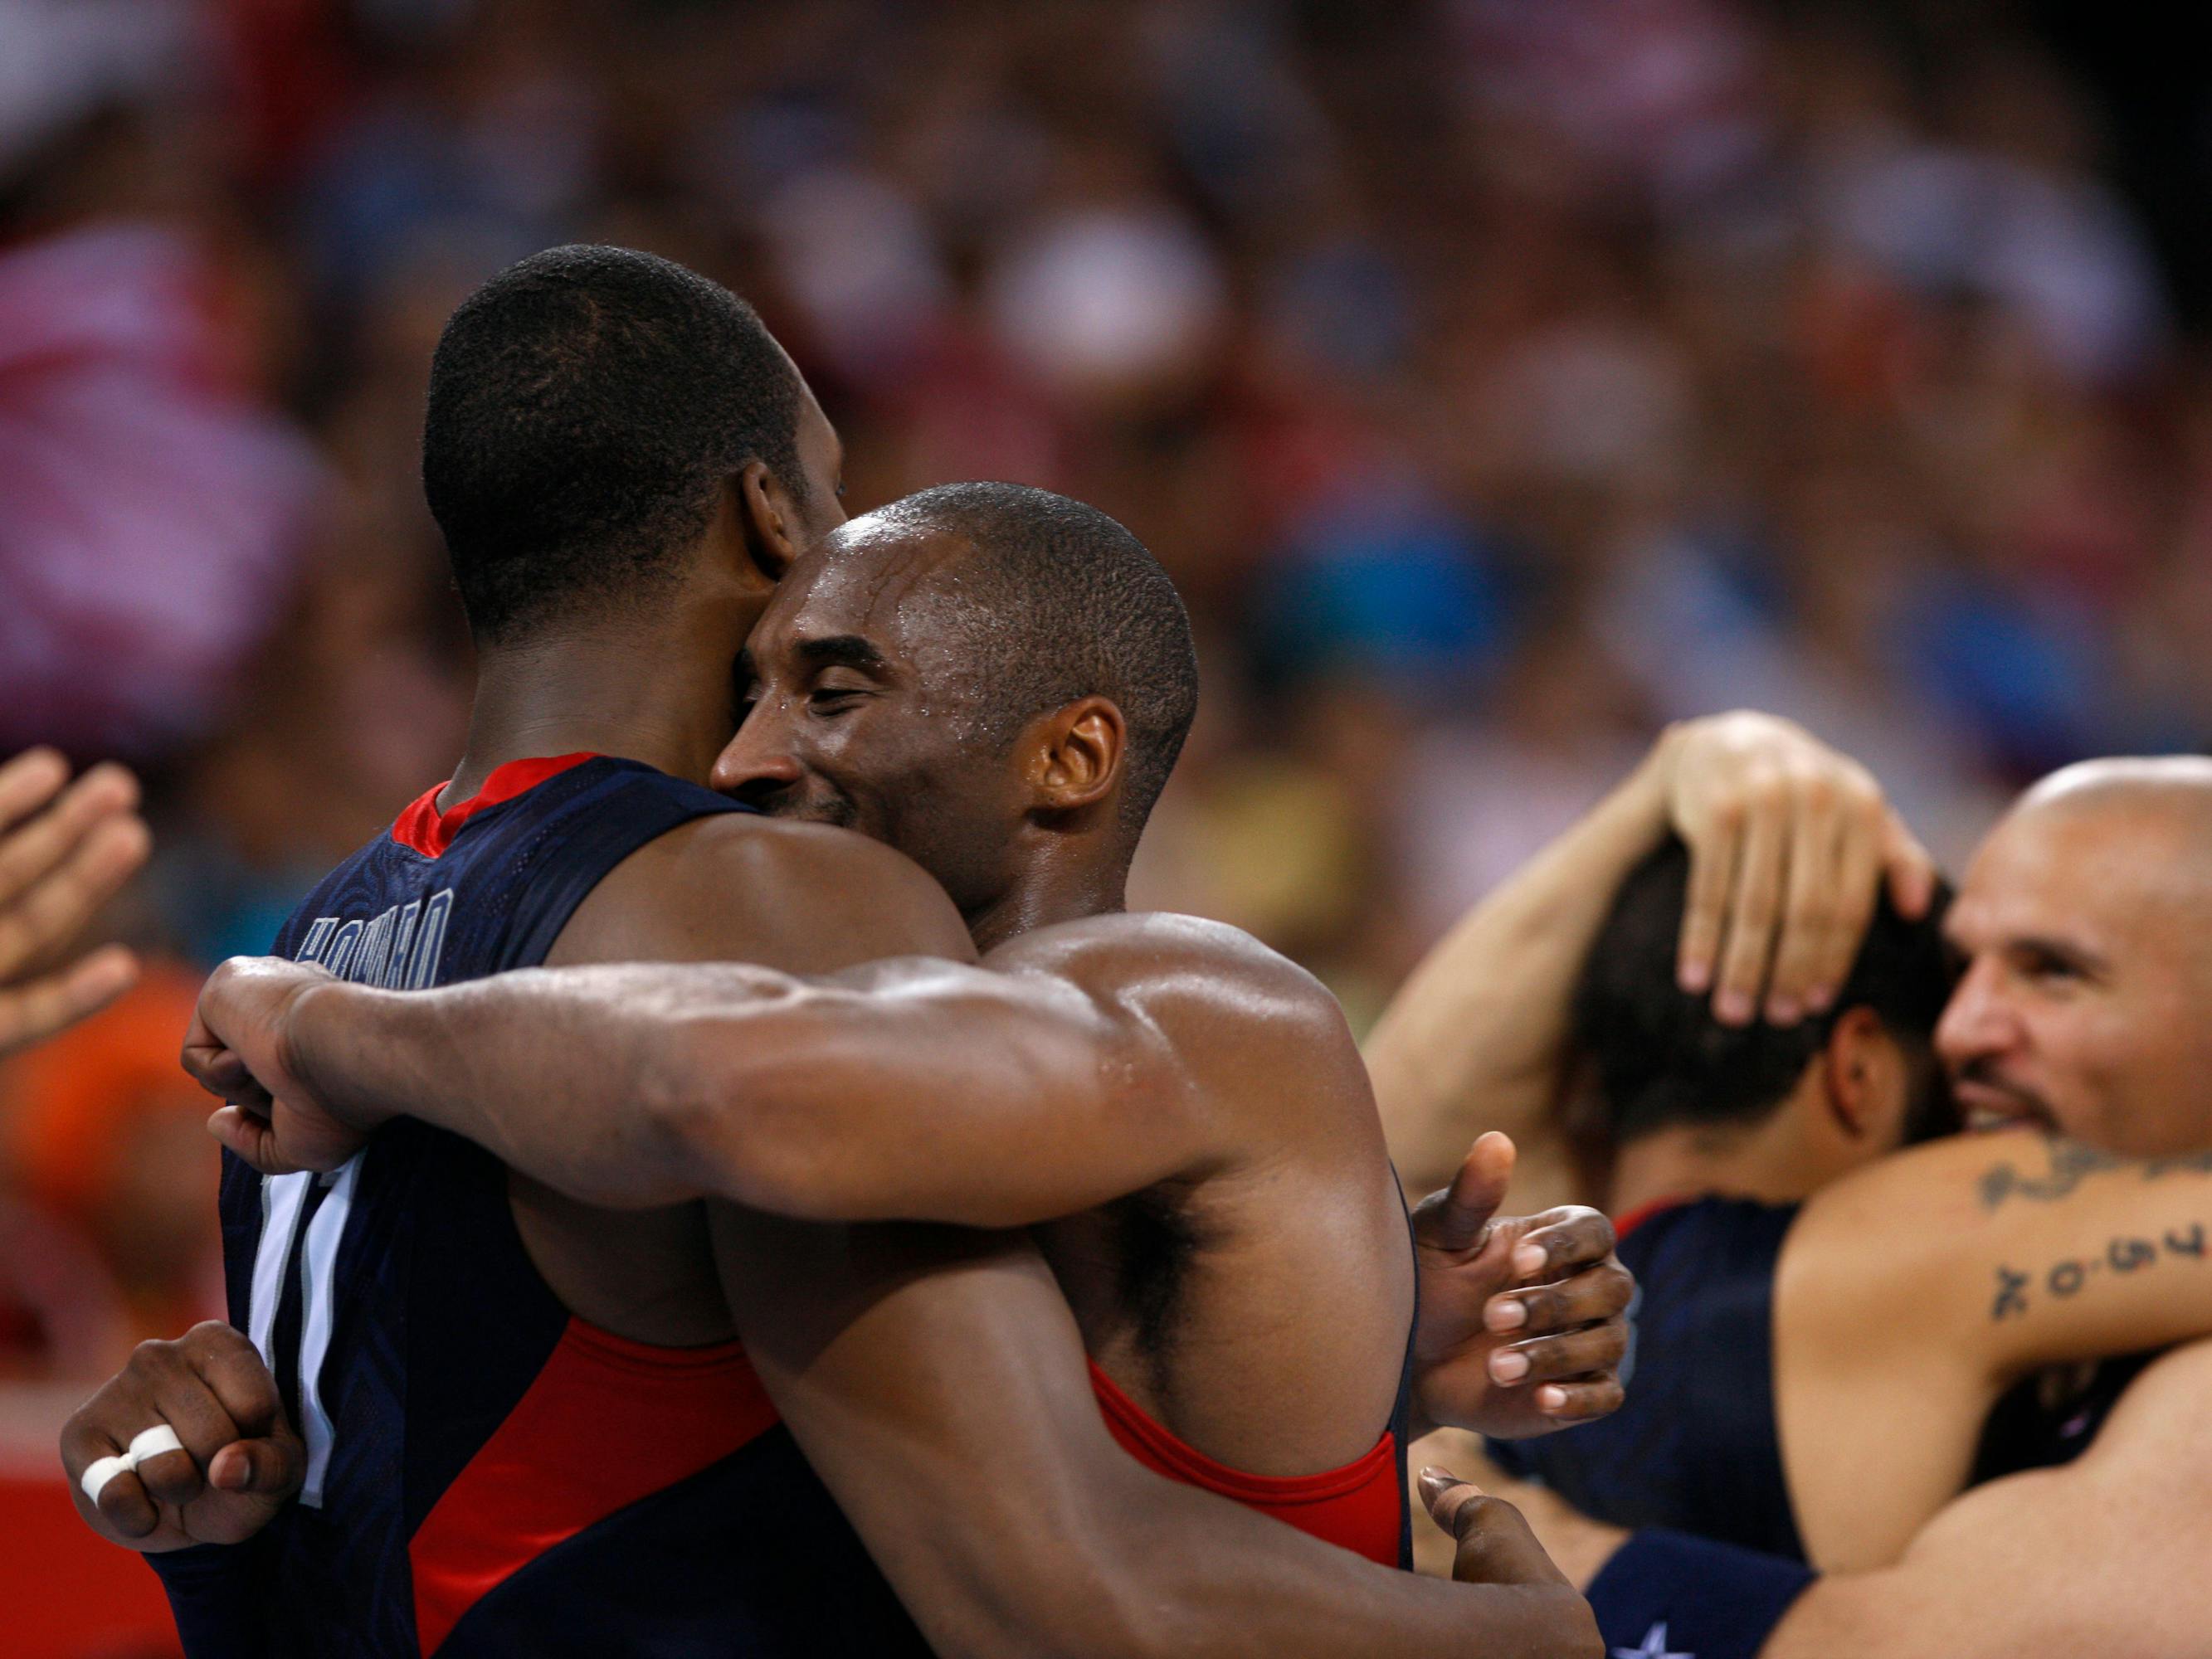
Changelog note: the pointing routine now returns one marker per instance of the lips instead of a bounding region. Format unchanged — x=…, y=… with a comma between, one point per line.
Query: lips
x=1998, y=1106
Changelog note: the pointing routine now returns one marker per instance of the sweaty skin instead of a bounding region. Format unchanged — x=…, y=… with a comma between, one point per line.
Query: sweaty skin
x=887, y=1396
x=1893, y=1342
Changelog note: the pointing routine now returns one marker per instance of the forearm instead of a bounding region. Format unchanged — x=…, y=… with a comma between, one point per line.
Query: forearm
x=1476, y=1038
x=935, y=1379
x=647, y=1084
x=548, y=1070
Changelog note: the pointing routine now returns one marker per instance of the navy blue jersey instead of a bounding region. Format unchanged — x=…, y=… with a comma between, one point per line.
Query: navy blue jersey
x=1694, y=1445
x=488, y=1475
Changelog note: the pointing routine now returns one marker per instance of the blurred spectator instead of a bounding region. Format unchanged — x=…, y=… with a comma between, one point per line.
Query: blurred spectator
x=1496, y=380
x=107, y=1136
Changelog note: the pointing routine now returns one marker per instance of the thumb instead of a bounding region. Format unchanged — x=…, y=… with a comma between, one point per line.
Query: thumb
x=272, y=1467
x=1446, y=1495
x=1454, y=1220
x=253, y=1138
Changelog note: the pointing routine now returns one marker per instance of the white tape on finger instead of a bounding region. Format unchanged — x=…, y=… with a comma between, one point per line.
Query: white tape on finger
x=154, y=1442
x=100, y=1472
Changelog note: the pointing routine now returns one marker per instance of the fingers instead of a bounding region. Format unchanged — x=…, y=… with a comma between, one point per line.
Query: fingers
x=29, y=782
x=272, y=1467
x=1566, y=1354
x=253, y=1138
x=1705, y=908
x=52, y=902
x=35, y=1010
x=1593, y=1295
x=122, y=1508
x=1753, y=908
x=1454, y=1218
x=237, y=1379
x=1562, y=1241
x=1807, y=934
x=1580, y=1400
x=36, y=845
x=1495, y=1544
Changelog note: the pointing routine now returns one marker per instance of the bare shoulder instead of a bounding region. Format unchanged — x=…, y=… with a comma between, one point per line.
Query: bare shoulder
x=1163, y=953
x=803, y=897
x=1218, y=994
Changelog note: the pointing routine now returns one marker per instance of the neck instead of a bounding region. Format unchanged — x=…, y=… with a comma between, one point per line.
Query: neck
x=659, y=692
x=1048, y=893
x=1767, y=1161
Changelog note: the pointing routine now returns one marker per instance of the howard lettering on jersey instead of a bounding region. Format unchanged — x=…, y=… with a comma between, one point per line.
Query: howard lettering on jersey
x=397, y=950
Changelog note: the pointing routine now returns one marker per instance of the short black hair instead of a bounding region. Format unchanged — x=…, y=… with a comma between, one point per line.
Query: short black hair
x=1661, y=1058
x=584, y=406
x=1068, y=604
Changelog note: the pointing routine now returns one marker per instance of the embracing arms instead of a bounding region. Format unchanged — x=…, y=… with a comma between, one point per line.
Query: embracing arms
x=1062, y=1076
x=1911, y=1293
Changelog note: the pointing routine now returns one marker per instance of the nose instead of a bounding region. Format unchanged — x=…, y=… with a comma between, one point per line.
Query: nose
x=1975, y=1023
x=754, y=766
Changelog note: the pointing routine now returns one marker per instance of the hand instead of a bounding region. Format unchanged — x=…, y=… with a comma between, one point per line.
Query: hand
x=1495, y=1546
x=1787, y=841
x=240, y=1049
x=1523, y=1319
x=1572, y=1545
x=63, y=852
x=240, y=1461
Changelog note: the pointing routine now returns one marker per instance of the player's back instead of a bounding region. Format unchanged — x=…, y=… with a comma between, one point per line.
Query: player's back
x=487, y=1472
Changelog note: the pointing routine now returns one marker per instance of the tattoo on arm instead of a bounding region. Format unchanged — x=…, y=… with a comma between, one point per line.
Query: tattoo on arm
x=2068, y=1277
x=2071, y=1164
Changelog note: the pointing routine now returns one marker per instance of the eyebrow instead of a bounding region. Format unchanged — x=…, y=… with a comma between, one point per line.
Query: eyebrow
x=2056, y=949
x=841, y=651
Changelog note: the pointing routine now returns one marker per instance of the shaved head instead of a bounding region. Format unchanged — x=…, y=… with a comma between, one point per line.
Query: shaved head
x=2086, y=923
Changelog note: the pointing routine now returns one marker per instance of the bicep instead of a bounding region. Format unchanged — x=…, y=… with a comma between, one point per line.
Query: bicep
x=2055, y=1561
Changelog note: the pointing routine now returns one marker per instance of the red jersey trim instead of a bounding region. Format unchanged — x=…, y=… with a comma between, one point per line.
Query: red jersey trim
x=607, y=1422
x=428, y=831
x=1644, y=1212
x=1360, y=1506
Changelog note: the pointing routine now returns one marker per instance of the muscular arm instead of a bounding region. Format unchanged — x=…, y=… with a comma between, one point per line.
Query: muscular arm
x=1056, y=1079
x=936, y=1380
x=1893, y=1337
x=2104, y=1556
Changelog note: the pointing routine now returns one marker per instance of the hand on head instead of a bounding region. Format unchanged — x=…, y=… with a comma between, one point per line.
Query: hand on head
x=1523, y=1318
x=228, y=1460
x=63, y=852
x=239, y=1048
x=1789, y=843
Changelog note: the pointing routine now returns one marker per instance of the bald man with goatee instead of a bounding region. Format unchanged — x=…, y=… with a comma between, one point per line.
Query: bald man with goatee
x=1909, y=1295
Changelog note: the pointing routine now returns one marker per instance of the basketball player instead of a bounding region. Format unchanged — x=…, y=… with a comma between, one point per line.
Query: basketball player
x=1862, y=1356
x=524, y=1425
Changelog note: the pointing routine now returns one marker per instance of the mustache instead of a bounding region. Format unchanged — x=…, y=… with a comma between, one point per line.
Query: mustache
x=1983, y=1072
x=831, y=807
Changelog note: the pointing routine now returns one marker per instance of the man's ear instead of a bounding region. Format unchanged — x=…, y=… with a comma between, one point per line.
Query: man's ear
x=770, y=527
x=1078, y=756
x=1860, y=1066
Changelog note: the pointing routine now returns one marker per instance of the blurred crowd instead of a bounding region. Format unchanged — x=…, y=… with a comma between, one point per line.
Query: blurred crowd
x=1500, y=381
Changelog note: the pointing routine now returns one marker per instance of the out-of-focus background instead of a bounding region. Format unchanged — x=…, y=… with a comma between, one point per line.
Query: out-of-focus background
x=1499, y=379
